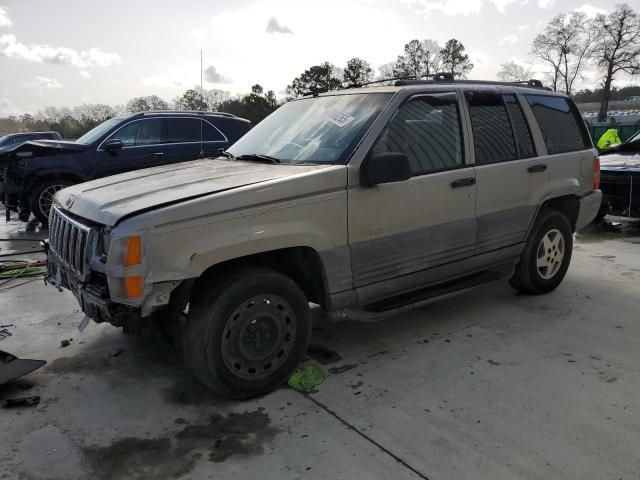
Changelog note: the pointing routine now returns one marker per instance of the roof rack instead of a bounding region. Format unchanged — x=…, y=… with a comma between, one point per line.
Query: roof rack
x=191, y=112
x=445, y=77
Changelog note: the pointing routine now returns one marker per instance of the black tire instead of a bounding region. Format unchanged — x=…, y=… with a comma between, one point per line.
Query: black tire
x=529, y=276
x=250, y=313
x=37, y=201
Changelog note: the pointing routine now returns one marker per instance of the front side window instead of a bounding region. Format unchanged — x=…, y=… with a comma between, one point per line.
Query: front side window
x=140, y=133
x=562, y=128
x=427, y=130
x=322, y=129
x=182, y=130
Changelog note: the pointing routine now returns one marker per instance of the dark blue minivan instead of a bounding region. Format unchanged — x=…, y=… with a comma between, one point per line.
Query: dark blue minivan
x=33, y=172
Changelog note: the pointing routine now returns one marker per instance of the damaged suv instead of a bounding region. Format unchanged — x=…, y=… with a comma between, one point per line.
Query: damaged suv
x=368, y=202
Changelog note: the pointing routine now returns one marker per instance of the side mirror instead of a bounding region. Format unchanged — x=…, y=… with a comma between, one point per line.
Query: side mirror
x=385, y=168
x=112, y=145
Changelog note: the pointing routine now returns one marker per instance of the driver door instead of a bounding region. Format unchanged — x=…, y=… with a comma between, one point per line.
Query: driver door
x=400, y=232
x=142, y=147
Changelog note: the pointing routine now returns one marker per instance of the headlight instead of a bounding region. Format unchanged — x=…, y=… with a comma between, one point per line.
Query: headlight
x=125, y=260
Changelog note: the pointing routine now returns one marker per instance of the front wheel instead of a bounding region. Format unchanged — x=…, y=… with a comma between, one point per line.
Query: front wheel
x=42, y=197
x=246, y=335
x=546, y=256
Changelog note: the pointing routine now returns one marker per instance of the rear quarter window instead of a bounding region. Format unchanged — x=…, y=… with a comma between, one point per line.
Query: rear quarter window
x=562, y=128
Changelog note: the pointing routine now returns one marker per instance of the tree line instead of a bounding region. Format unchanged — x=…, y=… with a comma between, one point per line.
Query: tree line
x=74, y=122
x=571, y=43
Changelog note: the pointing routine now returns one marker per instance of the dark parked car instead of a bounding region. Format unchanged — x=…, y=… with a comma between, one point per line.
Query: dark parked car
x=34, y=171
x=11, y=139
x=620, y=179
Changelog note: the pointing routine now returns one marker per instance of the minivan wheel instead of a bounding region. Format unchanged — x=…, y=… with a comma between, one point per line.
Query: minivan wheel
x=546, y=256
x=42, y=198
x=246, y=336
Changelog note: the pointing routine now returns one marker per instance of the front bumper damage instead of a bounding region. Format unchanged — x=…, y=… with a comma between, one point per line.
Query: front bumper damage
x=92, y=295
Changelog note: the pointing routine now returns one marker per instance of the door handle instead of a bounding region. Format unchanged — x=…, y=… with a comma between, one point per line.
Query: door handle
x=463, y=182
x=157, y=154
x=537, y=168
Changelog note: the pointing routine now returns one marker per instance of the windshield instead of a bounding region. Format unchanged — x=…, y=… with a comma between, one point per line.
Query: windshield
x=4, y=140
x=97, y=132
x=635, y=138
x=315, y=130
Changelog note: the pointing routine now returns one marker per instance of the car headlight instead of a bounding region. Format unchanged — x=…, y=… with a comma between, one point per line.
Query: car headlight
x=125, y=267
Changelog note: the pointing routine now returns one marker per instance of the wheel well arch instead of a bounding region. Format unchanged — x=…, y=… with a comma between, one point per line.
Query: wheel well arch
x=302, y=264
x=38, y=179
x=568, y=205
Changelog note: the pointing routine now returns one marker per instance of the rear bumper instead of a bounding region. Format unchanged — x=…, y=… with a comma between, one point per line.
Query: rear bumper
x=589, y=207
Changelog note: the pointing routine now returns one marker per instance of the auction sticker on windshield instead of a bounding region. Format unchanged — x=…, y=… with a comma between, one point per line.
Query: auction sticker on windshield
x=340, y=119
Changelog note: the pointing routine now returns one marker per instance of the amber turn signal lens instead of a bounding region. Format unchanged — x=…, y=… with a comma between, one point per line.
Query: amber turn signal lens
x=133, y=286
x=133, y=255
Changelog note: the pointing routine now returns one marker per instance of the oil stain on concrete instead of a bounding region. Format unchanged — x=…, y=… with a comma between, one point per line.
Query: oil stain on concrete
x=176, y=453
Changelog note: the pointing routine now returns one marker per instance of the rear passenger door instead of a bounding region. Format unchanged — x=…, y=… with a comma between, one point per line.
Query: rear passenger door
x=508, y=170
x=183, y=139
x=398, y=231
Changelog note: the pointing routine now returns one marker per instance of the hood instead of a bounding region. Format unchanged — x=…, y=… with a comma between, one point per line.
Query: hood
x=110, y=199
x=613, y=161
x=35, y=148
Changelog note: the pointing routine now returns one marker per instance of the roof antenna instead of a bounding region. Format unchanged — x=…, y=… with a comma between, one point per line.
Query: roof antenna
x=202, y=102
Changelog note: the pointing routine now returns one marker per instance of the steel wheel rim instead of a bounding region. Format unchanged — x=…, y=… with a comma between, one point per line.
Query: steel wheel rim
x=550, y=254
x=46, y=198
x=258, y=336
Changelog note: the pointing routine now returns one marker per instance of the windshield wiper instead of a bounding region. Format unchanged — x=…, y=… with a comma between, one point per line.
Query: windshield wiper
x=259, y=158
x=225, y=154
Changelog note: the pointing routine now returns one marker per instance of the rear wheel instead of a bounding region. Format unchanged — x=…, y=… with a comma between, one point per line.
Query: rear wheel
x=42, y=197
x=247, y=335
x=546, y=256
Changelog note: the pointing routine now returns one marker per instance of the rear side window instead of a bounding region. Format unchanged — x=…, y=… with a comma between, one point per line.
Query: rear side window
x=180, y=130
x=524, y=142
x=426, y=129
x=492, y=134
x=211, y=133
x=559, y=123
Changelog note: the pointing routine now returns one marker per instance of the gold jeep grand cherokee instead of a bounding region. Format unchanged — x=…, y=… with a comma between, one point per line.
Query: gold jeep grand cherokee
x=366, y=201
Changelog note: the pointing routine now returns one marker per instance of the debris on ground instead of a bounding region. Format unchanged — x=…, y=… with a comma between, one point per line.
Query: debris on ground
x=12, y=367
x=116, y=353
x=65, y=343
x=4, y=333
x=22, y=402
x=306, y=378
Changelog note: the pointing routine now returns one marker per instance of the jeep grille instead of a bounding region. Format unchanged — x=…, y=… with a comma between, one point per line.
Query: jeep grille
x=71, y=242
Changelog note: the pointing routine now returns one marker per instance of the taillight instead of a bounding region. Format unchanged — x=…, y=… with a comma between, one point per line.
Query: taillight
x=596, y=173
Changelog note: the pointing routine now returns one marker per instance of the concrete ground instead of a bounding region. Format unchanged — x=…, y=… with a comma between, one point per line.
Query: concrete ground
x=486, y=385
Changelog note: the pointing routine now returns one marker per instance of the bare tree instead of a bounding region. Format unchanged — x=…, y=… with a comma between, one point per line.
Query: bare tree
x=514, y=72
x=617, y=49
x=565, y=45
x=143, y=104
x=420, y=58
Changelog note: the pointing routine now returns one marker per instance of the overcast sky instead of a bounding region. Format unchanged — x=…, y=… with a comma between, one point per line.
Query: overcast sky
x=70, y=52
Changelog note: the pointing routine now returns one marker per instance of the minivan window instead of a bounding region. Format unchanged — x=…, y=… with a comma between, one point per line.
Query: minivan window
x=211, y=134
x=140, y=132
x=427, y=130
x=181, y=130
x=492, y=134
x=562, y=129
